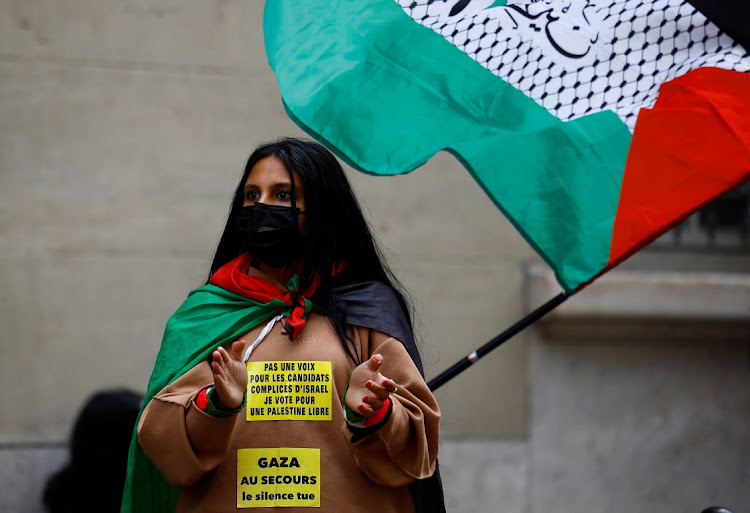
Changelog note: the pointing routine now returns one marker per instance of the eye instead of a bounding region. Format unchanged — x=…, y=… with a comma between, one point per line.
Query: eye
x=252, y=195
x=285, y=196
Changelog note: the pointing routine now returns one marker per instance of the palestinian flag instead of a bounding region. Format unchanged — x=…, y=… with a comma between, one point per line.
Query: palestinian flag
x=594, y=125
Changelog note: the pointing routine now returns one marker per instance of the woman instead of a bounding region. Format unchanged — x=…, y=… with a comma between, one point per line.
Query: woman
x=290, y=379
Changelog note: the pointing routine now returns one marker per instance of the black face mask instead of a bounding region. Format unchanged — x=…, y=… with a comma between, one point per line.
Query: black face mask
x=270, y=233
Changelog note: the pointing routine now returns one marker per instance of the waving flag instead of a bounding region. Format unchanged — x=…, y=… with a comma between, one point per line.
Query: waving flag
x=594, y=125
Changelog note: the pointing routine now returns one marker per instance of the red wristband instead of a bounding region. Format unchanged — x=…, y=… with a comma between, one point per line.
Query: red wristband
x=201, y=400
x=380, y=414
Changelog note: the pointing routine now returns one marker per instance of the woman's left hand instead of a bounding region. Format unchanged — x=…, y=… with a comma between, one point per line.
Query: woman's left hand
x=368, y=388
x=230, y=375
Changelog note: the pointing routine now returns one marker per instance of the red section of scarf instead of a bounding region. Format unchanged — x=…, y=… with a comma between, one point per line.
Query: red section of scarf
x=233, y=277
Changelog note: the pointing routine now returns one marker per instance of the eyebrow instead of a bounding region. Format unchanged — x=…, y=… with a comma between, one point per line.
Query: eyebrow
x=278, y=184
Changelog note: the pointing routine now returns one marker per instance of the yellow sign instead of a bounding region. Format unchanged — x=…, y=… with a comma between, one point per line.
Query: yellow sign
x=289, y=390
x=282, y=476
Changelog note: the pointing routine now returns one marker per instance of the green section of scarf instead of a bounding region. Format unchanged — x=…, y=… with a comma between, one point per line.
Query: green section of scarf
x=210, y=317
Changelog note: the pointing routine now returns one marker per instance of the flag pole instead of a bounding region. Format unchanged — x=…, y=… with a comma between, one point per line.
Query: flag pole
x=470, y=359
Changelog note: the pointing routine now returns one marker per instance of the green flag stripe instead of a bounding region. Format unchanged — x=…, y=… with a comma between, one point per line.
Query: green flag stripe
x=387, y=94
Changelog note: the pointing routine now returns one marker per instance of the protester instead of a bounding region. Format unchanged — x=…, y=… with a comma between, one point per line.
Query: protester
x=290, y=379
x=93, y=479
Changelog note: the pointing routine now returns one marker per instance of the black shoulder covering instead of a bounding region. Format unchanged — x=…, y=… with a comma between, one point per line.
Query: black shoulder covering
x=374, y=305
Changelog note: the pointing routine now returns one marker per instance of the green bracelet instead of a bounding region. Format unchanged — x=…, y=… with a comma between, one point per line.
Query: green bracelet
x=213, y=411
x=352, y=417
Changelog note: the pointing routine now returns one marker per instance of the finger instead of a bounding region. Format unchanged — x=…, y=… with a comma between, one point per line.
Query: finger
x=373, y=402
x=389, y=385
x=365, y=410
x=220, y=384
x=375, y=362
x=379, y=392
x=238, y=348
x=218, y=355
x=218, y=370
x=224, y=355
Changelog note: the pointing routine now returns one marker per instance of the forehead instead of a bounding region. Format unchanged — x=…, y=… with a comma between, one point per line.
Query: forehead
x=269, y=171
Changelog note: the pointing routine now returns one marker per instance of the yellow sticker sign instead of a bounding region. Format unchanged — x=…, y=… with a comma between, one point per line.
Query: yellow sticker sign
x=281, y=476
x=289, y=390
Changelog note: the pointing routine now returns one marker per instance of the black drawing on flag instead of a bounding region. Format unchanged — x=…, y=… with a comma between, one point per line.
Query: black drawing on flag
x=578, y=57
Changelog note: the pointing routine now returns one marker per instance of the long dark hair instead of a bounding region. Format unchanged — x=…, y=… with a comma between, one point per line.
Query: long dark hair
x=336, y=231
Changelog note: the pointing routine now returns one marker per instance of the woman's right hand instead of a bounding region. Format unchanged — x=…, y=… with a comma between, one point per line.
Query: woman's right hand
x=368, y=388
x=230, y=376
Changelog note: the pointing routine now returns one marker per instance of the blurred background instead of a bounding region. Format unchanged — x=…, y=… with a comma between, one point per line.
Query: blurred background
x=125, y=127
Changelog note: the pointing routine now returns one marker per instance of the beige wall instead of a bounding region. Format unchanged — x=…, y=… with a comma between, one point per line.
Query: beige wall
x=125, y=127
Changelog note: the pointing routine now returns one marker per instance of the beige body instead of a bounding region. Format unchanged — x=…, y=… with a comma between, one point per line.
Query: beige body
x=198, y=452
